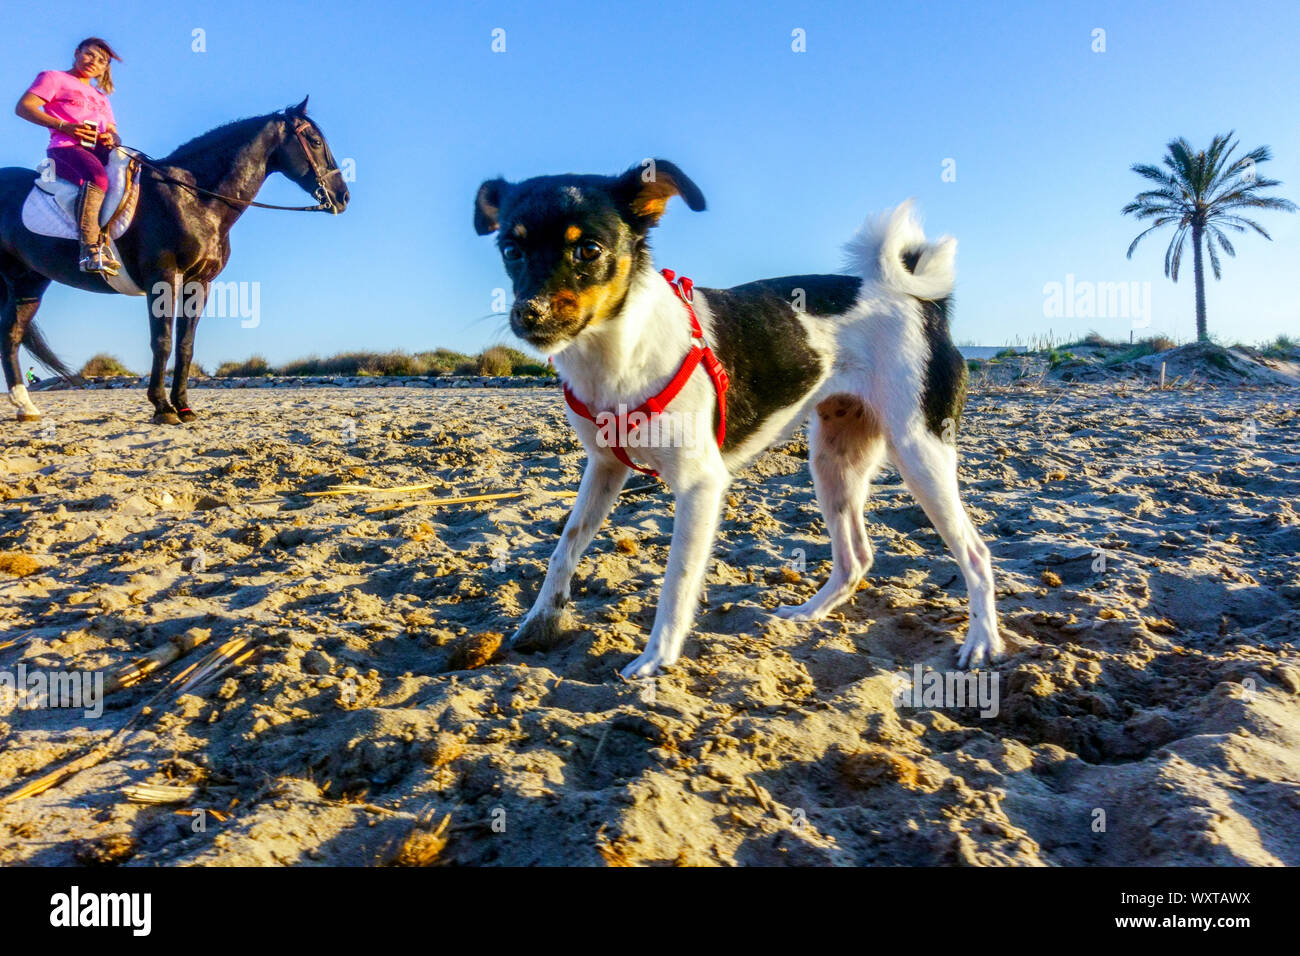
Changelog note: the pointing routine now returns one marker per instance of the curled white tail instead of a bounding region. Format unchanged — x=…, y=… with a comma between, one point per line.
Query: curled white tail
x=877, y=253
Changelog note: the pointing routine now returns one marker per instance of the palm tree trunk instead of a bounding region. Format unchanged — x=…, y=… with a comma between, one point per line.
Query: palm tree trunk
x=1198, y=274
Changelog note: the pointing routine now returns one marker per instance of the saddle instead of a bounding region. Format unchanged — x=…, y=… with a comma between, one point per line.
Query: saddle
x=51, y=207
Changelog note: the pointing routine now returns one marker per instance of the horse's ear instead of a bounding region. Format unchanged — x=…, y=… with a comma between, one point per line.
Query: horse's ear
x=487, y=206
x=646, y=188
x=301, y=108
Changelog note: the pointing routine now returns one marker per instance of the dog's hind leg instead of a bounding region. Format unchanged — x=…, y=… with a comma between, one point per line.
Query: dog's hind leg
x=601, y=482
x=845, y=449
x=929, y=468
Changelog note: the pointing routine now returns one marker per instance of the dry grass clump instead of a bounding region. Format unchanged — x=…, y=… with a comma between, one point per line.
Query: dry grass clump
x=877, y=766
x=443, y=749
x=615, y=852
x=423, y=846
x=474, y=650
x=106, y=850
x=18, y=564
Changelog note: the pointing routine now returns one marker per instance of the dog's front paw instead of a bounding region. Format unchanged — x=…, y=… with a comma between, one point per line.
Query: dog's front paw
x=801, y=612
x=981, y=646
x=540, y=632
x=649, y=664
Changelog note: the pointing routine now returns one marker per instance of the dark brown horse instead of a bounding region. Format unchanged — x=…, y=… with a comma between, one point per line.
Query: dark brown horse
x=178, y=240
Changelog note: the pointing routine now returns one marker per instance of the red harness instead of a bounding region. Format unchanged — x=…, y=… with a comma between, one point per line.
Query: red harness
x=657, y=403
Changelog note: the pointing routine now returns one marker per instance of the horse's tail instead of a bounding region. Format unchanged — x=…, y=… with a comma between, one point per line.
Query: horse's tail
x=35, y=343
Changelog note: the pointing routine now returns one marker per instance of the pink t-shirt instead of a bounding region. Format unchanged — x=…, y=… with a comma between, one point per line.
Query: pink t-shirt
x=69, y=99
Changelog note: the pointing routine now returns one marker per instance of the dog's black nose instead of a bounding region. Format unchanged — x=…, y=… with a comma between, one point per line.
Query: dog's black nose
x=528, y=315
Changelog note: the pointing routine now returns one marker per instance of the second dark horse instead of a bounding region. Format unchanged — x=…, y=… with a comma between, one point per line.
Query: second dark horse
x=179, y=239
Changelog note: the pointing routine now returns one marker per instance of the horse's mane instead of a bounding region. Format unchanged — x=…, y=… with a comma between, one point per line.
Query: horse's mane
x=208, y=154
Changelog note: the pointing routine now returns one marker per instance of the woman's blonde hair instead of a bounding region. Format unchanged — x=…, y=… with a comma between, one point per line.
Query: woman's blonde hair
x=105, y=80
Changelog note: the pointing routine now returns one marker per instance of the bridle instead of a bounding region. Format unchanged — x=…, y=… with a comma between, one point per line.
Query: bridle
x=322, y=194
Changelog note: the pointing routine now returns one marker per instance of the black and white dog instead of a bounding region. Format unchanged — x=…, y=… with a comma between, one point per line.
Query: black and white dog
x=867, y=356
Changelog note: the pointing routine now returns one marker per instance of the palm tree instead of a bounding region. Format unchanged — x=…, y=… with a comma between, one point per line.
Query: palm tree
x=1204, y=193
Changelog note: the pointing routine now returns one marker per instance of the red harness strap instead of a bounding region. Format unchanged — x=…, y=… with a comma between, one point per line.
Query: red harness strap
x=657, y=403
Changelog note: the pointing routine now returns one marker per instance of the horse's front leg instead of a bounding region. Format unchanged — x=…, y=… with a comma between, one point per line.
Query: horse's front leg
x=165, y=300
x=187, y=322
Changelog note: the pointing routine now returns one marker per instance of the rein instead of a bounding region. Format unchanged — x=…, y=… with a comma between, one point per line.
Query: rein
x=325, y=205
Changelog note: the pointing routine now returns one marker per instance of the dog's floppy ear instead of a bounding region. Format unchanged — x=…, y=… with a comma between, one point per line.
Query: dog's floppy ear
x=487, y=205
x=646, y=188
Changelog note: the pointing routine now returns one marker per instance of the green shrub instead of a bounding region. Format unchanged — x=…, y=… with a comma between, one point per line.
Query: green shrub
x=1057, y=358
x=1281, y=347
x=1218, y=357
x=443, y=361
x=1094, y=340
x=387, y=363
x=1148, y=346
x=496, y=361
x=103, y=365
x=362, y=364
x=249, y=368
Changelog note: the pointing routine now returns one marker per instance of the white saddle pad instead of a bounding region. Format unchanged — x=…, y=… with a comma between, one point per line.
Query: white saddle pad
x=51, y=206
x=51, y=210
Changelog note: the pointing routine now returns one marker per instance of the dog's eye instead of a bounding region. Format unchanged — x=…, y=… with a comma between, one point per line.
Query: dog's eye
x=511, y=252
x=585, y=252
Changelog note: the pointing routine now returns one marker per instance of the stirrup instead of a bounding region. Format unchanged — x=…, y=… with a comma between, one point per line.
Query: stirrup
x=108, y=260
x=94, y=260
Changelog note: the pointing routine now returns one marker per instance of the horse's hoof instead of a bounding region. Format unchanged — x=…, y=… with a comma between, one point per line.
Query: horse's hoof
x=29, y=417
x=187, y=414
x=166, y=418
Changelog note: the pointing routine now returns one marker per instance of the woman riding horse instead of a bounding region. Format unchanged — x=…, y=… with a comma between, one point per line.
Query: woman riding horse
x=82, y=134
x=176, y=245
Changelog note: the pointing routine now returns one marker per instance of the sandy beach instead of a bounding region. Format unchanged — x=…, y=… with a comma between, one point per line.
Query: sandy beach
x=1147, y=551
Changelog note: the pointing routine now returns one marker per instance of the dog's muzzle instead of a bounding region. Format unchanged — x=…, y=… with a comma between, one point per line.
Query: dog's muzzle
x=534, y=323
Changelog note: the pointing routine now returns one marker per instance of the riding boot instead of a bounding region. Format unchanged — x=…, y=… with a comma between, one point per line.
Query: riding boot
x=93, y=258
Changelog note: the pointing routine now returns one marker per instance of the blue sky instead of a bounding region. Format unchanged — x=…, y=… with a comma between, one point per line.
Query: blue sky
x=792, y=150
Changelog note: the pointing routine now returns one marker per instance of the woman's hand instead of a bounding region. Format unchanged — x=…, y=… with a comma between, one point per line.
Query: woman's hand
x=109, y=137
x=81, y=132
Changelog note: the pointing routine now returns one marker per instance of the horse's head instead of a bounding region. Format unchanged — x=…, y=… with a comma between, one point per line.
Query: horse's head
x=305, y=157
